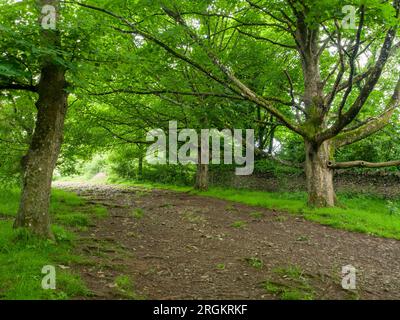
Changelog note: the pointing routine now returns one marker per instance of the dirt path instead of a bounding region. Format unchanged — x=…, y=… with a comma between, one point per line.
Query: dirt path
x=191, y=247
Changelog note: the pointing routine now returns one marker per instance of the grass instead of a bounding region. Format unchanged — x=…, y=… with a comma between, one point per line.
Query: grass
x=22, y=256
x=100, y=212
x=255, y=262
x=74, y=220
x=290, y=285
x=239, y=224
x=257, y=215
x=285, y=292
x=125, y=287
x=138, y=213
x=293, y=272
x=9, y=201
x=70, y=210
x=361, y=213
x=221, y=266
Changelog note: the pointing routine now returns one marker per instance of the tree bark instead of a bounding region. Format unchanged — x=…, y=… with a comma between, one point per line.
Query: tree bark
x=319, y=176
x=202, y=177
x=43, y=153
x=45, y=146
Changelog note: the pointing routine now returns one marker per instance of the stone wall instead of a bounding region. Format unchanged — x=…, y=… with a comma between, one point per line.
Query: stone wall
x=380, y=183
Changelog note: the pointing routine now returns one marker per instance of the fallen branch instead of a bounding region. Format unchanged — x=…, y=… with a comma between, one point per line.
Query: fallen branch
x=362, y=164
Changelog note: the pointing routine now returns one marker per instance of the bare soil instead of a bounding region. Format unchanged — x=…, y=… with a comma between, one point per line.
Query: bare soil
x=192, y=247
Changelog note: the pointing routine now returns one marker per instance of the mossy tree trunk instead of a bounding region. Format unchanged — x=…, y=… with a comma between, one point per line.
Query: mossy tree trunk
x=41, y=159
x=319, y=176
x=43, y=152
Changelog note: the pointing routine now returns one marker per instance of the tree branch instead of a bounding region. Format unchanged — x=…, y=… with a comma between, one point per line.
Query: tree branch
x=159, y=92
x=365, y=92
x=372, y=126
x=267, y=40
x=243, y=89
x=297, y=107
x=352, y=63
x=16, y=86
x=135, y=30
x=362, y=164
x=287, y=22
x=240, y=22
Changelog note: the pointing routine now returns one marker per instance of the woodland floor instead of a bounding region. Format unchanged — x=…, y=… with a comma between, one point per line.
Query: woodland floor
x=181, y=246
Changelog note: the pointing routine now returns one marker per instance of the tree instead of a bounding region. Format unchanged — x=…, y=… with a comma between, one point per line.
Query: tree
x=119, y=101
x=40, y=161
x=45, y=147
x=338, y=72
x=39, y=48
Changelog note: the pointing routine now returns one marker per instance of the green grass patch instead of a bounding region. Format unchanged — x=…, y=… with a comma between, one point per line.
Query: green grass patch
x=74, y=219
x=22, y=256
x=292, y=272
x=100, y=212
x=239, y=224
x=257, y=215
x=255, y=262
x=125, y=287
x=65, y=200
x=221, y=266
x=69, y=209
x=285, y=292
x=138, y=213
x=9, y=201
x=291, y=284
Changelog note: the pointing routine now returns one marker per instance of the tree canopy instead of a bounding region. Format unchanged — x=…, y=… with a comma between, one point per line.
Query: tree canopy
x=318, y=81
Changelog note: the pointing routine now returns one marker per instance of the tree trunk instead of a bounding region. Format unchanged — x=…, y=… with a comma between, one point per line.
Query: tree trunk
x=202, y=177
x=271, y=140
x=41, y=159
x=202, y=168
x=140, y=167
x=43, y=153
x=320, y=188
